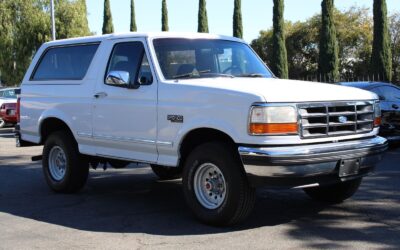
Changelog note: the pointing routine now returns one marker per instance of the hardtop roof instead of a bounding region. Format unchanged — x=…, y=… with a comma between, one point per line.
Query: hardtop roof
x=100, y=38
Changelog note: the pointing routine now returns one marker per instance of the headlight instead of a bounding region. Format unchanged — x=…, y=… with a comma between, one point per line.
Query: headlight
x=377, y=114
x=273, y=120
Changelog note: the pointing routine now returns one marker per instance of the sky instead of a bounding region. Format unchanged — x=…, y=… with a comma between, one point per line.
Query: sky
x=182, y=14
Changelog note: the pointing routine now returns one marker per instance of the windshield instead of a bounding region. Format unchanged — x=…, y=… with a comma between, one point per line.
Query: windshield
x=199, y=58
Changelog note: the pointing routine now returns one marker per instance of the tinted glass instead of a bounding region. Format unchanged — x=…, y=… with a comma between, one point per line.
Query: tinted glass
x=65, y=63
x=130, y=57
x=192, y=58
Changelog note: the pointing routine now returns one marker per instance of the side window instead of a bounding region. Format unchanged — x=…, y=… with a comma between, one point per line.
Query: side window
x=65, y=63
x=128, y=66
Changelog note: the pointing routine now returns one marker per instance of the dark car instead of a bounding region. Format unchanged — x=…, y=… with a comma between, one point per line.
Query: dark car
x=389, y=96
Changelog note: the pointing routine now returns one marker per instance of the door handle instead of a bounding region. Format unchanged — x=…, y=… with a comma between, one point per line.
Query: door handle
x=395, y=106
x=100, y=95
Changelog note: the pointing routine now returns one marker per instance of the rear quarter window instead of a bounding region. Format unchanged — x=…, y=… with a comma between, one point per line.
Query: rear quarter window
x=65, y=63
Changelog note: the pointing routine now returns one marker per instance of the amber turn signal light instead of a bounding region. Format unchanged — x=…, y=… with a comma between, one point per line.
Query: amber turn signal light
x=377, y=121
x=273, y=128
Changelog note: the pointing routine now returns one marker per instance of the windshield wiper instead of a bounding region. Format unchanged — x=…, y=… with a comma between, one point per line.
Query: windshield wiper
x=255, y=75
x=219, y=74
x=191, y=74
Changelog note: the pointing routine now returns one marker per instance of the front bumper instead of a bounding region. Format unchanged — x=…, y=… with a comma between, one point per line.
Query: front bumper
x=310, y=165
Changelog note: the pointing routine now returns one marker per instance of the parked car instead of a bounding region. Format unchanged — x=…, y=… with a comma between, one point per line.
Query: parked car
x=200, y=106
x=389, y=96
x=8, y=115
x=8, y=96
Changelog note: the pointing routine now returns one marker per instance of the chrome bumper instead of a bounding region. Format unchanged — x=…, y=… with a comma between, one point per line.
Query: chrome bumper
x=309, y=164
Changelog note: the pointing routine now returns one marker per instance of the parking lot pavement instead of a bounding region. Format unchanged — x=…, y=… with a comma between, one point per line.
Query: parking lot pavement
x=130, y=208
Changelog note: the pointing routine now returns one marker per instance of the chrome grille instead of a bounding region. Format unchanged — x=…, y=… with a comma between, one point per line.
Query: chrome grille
x=335, y=118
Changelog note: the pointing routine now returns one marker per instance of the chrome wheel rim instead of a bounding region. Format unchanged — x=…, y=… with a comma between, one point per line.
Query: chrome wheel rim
x=209, y=186
x=57, y=163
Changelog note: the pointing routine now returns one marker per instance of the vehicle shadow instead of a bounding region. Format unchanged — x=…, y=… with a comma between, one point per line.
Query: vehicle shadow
x=134, y=201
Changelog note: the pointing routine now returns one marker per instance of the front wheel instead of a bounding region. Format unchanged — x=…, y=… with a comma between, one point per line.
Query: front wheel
x=334, y=193
x=215, y=185
x=65, y=170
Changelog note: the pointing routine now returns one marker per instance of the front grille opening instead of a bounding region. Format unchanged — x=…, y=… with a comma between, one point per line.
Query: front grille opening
x=365, y=117
x=314, y=110
x=341, y=109
x=315, y=131
x=364, y=127
x=342, y=129
x=365, y=108
x=315, y=120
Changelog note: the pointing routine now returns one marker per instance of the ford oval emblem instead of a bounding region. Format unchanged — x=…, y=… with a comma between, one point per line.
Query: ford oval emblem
x=342, y=119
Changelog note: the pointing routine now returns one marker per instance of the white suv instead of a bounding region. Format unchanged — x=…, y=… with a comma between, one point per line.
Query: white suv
x=200, y=106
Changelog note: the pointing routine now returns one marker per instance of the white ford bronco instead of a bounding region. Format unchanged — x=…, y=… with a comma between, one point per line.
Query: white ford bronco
x=197, y=106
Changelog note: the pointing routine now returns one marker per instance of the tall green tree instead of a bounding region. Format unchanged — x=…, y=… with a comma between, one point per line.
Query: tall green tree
x=395, y=41
x=25, y=26
x=381, y=60
x=133, y=26
x=202, y=17
x=354, y=33
x=108, y=26
x=279, y=56
x=71, y=19
x=328, y=64
x=164, y=16
x=237, y=20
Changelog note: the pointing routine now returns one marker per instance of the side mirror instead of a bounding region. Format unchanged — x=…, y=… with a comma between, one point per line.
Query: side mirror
x=118, y=78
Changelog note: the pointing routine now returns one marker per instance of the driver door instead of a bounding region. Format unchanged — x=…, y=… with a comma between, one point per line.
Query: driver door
x=125, y=109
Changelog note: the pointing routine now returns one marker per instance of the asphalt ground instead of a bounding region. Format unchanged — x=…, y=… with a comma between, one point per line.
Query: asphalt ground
x=132, y=209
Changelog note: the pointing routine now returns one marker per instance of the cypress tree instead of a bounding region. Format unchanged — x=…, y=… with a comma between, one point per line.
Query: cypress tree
x=164, y=17
x=279, y=55
x=237, y=20
x=202, y=17
x=133, y=27
x=328, y=65
x=381, y=64
x=108, y=26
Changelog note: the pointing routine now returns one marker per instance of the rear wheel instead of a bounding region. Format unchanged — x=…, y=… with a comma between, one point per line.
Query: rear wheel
x=334, y=193
x=215, y=185
x=167, y=173
x=65, y=169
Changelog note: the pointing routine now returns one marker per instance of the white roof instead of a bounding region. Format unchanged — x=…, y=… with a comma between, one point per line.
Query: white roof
x=101, y=38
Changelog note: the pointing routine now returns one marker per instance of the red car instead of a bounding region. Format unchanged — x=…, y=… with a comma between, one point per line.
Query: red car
x=8, y=114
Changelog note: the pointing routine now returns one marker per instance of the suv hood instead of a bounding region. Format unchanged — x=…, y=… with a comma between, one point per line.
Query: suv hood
x=280, y=90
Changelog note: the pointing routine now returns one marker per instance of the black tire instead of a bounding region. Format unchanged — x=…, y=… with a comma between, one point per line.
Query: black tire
x=167, y=173
x=336, y=193
x=77, y=167
x=118, y=164
x=239, y=196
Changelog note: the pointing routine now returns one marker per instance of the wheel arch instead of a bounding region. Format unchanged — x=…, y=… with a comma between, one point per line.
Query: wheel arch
x=50, y=125
x=198, y=136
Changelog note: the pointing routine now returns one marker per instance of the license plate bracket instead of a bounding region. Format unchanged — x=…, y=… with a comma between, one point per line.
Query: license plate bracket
x=349, y=167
